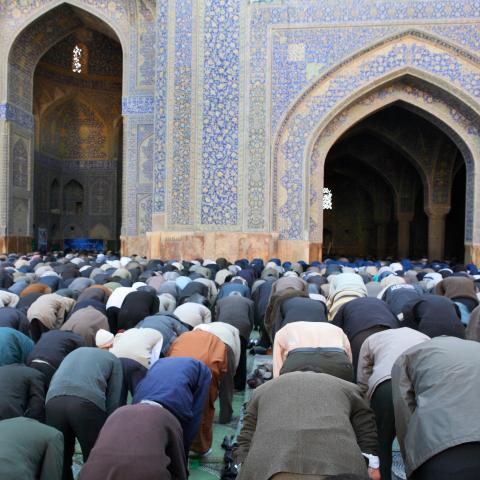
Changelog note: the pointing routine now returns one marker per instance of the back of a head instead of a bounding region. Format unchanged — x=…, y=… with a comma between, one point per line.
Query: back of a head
x=346, y=281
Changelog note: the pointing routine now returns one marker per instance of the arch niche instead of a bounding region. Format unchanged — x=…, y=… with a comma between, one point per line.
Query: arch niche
x=36, y=37
x=437, y=81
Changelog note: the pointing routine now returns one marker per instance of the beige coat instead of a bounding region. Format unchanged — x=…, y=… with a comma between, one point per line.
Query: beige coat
x=193, y=314
x=140, y=344
x=436, y=387
x=306, y=334
x=87, y=322
x=344, y=288
x=50, y=310
x=378, y=354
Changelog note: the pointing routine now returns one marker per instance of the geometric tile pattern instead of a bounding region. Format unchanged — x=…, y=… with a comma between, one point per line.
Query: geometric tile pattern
x=219, y=162
x=180, y=199
x=160, y=103
x=194, y=76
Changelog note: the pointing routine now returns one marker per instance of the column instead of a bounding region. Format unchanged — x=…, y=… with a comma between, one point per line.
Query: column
x=436, y=232
x=404, y=219
x=381, y=239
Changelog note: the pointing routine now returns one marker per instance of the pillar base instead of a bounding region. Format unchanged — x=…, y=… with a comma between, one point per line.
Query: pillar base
x=472, y=254
x=133, y=245
x=231, y=245
x=191, y=245
x=13, y=244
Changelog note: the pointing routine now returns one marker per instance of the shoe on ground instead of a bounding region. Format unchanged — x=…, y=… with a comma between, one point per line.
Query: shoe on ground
x=195, y=454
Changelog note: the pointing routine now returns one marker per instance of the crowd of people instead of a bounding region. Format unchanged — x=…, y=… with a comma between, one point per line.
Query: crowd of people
x=128, y=356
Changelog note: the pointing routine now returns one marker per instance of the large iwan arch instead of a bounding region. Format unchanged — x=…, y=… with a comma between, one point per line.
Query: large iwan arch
x=438, y=81
x=47, y=27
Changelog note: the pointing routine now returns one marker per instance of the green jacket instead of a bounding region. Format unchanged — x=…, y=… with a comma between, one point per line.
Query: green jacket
x=30, y=450
x=92, y=374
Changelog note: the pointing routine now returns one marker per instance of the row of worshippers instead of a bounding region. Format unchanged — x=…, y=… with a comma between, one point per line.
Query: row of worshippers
x=409, y=326
x=162, y=311
x=48, y=329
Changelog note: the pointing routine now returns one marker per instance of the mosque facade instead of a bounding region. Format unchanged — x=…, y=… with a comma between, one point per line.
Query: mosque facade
x=185, y=128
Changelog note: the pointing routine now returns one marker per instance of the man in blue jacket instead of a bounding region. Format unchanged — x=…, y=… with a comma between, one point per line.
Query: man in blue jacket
x=181, y=386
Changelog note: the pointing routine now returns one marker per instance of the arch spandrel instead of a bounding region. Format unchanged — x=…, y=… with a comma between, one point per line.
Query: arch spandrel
x=117, y=17
x=351, y=91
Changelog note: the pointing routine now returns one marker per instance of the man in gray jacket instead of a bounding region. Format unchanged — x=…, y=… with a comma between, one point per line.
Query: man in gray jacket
x=436, y=387
x=238, y=311
x=375, y=362
x=85, y=389
x=286, y=432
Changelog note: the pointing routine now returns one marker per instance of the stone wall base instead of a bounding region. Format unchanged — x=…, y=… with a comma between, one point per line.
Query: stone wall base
x=132, y=245
x=11, y=244
x=231, y=245
x=472, y=254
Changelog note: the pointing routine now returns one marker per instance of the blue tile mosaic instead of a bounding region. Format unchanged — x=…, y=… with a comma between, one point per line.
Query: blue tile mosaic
x=181, y=211
x=137, y=105
x=161, y=59
x=219, y=162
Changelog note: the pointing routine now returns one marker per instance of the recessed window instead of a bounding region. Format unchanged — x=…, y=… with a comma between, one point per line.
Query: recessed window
x=73, y=198
x=327, y=199
x=79, y=58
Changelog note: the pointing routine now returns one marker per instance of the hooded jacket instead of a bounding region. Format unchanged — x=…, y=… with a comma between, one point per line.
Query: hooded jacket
x=432, y=384
x=181, y=386
x=434, y=316
x=50, y=310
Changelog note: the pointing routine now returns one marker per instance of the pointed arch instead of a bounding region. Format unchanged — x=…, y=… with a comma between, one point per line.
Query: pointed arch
x=365, y=80
x=73, y=198
x=40, y=32
x=35, y=34
x=462, y=130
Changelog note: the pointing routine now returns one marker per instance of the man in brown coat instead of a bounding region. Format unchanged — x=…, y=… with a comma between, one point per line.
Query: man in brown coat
x=210, y=350
x=306, y=423
x=157, y=451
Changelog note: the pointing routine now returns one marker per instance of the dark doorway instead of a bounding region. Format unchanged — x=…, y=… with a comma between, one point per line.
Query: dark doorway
x=78, y=133
x=379, y=173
